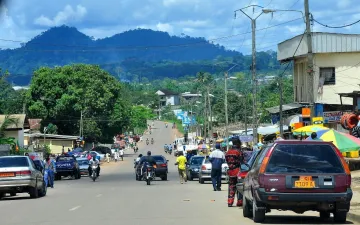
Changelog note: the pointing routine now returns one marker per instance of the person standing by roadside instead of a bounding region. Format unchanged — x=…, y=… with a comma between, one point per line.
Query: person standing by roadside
x=217, y=158
x=51, y=170
x=181, y=163
x=233, y=158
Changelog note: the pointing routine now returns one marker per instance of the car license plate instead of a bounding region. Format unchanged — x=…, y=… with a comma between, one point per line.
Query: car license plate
x=7, y=174
x=305, y=182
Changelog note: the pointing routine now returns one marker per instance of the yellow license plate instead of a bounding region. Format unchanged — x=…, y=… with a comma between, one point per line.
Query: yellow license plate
x=7, y=174
x=305, y=182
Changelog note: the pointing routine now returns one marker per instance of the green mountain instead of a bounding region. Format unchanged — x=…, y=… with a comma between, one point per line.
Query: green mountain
x=131, y=55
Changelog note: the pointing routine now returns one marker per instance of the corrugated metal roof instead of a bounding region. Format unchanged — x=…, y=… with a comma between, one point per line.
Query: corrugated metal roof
x=286, y=107
x=322, y=43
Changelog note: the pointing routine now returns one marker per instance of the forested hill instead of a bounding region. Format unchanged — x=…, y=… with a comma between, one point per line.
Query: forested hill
x=134, y=53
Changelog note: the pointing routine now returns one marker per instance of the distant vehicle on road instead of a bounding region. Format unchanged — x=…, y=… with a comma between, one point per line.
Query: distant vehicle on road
x=83, y=165
x=298, y=176
x=102, y=150
x=205, y=171
x=19, y=174
x=161, y=169
x=99, y=156
x=194, y=166
x=67, y=166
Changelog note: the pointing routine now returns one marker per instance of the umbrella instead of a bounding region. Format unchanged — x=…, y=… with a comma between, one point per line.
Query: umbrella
x=344, y=142
x=307, y=130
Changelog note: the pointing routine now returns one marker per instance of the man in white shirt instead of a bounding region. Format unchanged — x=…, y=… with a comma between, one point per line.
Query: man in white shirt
x=217, y=158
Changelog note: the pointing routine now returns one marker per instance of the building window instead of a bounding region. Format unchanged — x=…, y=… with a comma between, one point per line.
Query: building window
x=327, y=76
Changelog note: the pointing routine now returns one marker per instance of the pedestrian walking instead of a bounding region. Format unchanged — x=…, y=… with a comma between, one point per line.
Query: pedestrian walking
x=181, y=163
x=234, y=158
x=217, y=158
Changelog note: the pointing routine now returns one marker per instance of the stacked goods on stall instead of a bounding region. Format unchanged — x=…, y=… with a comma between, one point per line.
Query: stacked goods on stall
x=349, y=121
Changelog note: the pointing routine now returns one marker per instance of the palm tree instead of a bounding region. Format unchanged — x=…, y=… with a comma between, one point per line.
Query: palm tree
x=8, y=121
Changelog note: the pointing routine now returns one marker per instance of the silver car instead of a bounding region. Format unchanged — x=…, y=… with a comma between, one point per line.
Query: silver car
x=83, y=165
x=18, y=174
x=205, y=171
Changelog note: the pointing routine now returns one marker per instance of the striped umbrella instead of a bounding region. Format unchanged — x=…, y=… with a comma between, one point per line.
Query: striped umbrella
x=344, y=142
x=307, y=130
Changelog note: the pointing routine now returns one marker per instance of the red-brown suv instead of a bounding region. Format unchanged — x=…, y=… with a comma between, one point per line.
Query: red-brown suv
x=298, y=176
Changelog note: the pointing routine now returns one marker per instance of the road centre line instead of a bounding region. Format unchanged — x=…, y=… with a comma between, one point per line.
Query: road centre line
x=75, y=208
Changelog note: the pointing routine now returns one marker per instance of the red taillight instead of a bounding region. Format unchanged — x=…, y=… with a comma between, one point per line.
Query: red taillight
x=163, y=165
x=242, y=175
x=203, y=167
x=23, y=173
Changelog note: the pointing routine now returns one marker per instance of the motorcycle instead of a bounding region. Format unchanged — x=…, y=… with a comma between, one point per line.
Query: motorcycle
x=147, y=142
x=94, y=172
x=166, y=149
x=136, y=149
x=149, y=175
x=166, y=126
x=122, y=157
x=152, y=141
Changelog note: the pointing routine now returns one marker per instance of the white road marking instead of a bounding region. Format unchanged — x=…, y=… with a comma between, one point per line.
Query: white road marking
x=75, y=208
x=99, y=195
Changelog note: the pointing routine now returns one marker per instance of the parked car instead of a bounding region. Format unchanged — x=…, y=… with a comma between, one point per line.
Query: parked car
x=67, y=166
x=83, y=165
x=99, y=156
x=298, y=176
x=161, y=169
x=194, y=166
x=19, y=174
x=205, y=170
x=102, y=150
x=244, y=171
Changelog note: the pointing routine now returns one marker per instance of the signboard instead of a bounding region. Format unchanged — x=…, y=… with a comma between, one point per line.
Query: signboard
x=305, y=112
x=332, y=116
x=246, y=138
x=318, y=120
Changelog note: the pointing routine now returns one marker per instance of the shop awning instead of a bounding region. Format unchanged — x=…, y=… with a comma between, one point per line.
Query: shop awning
x=292, y=119
x=286, y=107
x=269, y=130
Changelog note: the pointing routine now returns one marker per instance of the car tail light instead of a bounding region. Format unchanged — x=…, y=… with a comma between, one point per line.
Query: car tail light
x=163, y=165
x=346, y=167
x=23, y=173
x=242, y=175
x=265, y=161
x=203, y=167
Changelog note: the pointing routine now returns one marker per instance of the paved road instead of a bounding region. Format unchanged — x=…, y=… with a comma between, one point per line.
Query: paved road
x=116, y=198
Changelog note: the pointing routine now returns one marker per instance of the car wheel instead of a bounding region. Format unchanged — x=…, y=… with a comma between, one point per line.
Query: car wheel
x=34, y=192
x=79, y=175
x=340, y=217
x=201, y=181
x=164, y=177
x=2, y=195
x=324, y=215
x=258, y=214
x=13, y=194
x=190, y=177
x=57, y=177
x=246, y=208
x=43, y=190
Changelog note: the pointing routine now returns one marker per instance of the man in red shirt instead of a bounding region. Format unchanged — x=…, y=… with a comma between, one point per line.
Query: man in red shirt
x=233, y=158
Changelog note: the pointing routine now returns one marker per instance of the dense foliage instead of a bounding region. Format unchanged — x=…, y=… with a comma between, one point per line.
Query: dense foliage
x=60, y=96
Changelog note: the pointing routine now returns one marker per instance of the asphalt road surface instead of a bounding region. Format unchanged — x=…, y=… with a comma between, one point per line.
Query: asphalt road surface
x=117, y=198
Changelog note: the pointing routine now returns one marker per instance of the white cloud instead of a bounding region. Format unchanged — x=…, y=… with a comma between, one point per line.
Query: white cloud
x=68, y=15
x=343, y=3
x=165, y=27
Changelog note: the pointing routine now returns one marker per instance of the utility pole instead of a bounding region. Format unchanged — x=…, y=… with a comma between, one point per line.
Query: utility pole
x=205, y=118
x=310, y=67
x=281, y=107
x=226, y=113
x=253, y=67
x=81, y=124
x=210, y=111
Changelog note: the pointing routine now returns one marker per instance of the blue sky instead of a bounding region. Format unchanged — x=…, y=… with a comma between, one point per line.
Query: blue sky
x=24, y=19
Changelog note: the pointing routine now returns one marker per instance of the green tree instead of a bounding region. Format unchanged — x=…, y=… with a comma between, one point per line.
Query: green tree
x=140, y=115
x=61, y=95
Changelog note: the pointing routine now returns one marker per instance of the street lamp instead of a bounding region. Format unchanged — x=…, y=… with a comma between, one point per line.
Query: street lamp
x=281, y=126
x=266, y=11
x=45, y=130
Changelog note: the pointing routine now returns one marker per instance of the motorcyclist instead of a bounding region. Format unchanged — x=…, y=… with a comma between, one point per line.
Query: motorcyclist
x=166, y=125
x=165, y=147
x=97, y=162
x=170, y=148
x=147, y=141
x=146, y=160
x=152, y=140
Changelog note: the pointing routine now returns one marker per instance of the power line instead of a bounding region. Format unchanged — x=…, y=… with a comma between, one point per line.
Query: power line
x=120, y=48
x=328, y=26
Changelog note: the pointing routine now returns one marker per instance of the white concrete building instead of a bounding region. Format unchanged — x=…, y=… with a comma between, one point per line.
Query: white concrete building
x=168, y=98
x=336, y=66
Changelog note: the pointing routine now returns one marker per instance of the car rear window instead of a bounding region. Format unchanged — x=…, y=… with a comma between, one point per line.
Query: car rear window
x=159, y=158
x=61, y=159
x=83, y=162
x=196, y=160
x=305, y=158
x=13, y=162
